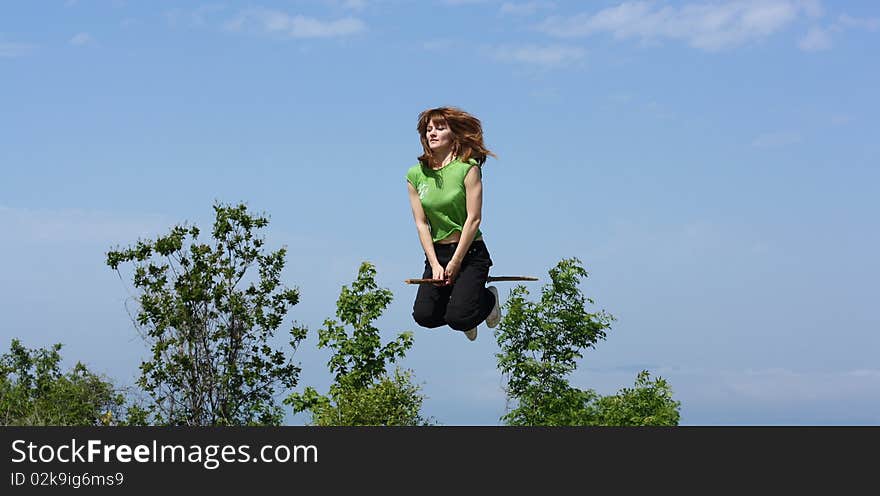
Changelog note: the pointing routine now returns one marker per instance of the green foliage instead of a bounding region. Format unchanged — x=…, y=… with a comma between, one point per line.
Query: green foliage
x=648, y=403
x=363, y=393
x=541, y=343
x=208, y=322
x=34, y=391
x=387, y=401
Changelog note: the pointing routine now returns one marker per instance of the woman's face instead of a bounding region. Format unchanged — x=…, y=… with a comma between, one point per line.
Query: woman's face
x=439, y=136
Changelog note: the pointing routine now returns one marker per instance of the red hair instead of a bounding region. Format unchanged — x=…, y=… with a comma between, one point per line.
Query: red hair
x=467, y=134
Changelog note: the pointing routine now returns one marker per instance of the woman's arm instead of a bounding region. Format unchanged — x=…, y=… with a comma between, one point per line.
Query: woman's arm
x=424, y=232
x=473, y=187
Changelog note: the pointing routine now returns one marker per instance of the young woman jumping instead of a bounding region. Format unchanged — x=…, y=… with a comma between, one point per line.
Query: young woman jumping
x=446, y=196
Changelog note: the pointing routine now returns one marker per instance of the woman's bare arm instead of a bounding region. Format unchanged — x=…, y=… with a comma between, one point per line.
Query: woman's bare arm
x=424, y=230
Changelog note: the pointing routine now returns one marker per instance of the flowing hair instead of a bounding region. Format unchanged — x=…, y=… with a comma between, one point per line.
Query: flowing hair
x=467, y=134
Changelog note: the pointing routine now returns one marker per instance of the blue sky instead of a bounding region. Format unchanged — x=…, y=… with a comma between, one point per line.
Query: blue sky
x=714, y=164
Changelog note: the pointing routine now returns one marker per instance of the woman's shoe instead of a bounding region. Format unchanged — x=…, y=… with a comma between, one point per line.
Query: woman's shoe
x=495, y=315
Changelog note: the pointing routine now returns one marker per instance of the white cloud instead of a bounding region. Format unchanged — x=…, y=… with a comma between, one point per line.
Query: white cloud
x=197, y=17
x=779, y=395
x=777, y=139
x=785, y=385
x=707, y=26
x=10, y=50
x=464, y=2
x=757, y=389
x=544, y=56
x=352, y=4
x=525, y=8
x=847, y=21
x=816, y=39
x=266, y=21
x=813, y=8
x=81, y=39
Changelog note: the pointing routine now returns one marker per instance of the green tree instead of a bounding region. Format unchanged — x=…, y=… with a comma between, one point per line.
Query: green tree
x=363, y=393
x=541, y=343
x=34, y=391
x=646, y=403
x=208, y=320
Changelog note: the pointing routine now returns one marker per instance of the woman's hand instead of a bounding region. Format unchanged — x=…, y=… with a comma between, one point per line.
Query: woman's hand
x=439, y=273
x=452, y=269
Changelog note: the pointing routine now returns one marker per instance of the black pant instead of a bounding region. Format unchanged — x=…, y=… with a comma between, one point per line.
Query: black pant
x=466, y=302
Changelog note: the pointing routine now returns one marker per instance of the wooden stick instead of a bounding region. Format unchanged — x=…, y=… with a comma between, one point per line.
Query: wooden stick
x=490, y=279
x=512, y=278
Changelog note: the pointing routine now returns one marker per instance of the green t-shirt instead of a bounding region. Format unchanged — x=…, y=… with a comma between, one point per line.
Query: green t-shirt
x=442, y=194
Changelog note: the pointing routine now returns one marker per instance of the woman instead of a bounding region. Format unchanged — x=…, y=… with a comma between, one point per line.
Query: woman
x=446, y=196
